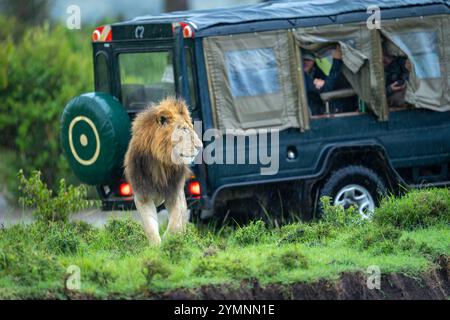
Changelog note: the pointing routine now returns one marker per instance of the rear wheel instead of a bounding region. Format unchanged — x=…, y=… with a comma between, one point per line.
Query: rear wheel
x=354, y=186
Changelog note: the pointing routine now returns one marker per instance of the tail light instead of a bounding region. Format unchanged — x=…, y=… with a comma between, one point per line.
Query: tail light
x=188, y=30
x=194, y=189
x=102, y=34
x=125, y=190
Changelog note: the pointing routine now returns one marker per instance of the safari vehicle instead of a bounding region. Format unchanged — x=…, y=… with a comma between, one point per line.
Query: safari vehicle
x=241, y=68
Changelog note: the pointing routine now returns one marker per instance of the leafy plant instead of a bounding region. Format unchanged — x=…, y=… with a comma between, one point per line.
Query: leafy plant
x=309, y=233
x=254, y=232
x=48, y=206
x=125, y=235
x=338, y=216
x=288, y=258
x=416, y=209
x=155, y=268
x=377, y=239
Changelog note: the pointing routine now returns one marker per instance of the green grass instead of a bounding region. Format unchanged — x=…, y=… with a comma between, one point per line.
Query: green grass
x=116, y=261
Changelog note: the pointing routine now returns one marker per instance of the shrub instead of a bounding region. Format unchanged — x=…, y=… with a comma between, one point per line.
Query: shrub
x=49, y=207
x=338, y=216
x=125, y=235
x=236, y=268
x=207, y=266
x=219, y=266
x=86, y=231
x=181, y=245
x=253, y=233
x=155, y=268
x=284, y=259
x=416, y=209
x=23, y=261
x=61, y=239
x=101, y=276
x=377, y=239
x=408, y=244
x=315, y=233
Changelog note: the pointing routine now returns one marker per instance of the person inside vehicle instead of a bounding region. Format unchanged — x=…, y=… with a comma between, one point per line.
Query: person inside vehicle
x=396, y=73
x=317, y=82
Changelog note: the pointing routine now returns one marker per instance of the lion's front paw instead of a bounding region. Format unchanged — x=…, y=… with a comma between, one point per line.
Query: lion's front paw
x=155, y=241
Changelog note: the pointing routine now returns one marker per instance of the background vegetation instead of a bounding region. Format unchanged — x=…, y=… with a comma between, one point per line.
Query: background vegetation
x=42, y=67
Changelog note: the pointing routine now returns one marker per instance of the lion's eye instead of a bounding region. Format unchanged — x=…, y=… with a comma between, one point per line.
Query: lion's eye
x=163, y=120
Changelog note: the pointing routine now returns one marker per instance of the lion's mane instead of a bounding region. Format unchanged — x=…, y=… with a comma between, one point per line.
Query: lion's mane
x=148, y=164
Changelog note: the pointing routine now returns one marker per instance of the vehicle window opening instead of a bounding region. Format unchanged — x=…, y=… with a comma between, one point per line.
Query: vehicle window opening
x=422, y=46
x=328, y=90
x=397, y=69
x=146, y=78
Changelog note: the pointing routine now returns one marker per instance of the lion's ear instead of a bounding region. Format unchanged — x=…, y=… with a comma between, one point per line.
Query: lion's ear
x=162, y=120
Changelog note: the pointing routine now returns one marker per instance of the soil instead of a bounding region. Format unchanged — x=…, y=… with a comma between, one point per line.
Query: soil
x=432, y=285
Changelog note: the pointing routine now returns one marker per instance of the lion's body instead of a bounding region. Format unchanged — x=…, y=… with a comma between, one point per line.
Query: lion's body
x=148, y=178
x=155, y=163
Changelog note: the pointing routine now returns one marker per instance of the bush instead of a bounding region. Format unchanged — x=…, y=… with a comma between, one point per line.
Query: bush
x=22, y=259
x=182, y=244
x=338, y=216
x=253, y=233
x=125, y=235
x=315, y=233
x=61, y=239
x=48, y=207
x=284, y=259
x=155, y=268
x=377, y=239
x=416, y=209
x=408, y=244
x=218, y=266
x=40, y=71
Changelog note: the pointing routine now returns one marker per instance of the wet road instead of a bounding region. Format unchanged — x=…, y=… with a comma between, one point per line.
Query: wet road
x=96, y=217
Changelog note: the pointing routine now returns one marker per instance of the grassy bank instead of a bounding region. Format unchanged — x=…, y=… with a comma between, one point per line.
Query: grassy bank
x=407, y=235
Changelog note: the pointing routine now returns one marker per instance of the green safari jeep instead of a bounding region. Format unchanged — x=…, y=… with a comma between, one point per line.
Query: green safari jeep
x=243, y=72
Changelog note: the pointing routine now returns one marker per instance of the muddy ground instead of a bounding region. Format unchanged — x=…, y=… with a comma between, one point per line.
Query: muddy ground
x=432, y=285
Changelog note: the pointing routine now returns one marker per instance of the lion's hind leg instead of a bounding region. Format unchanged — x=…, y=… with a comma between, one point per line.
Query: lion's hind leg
x=149, y=216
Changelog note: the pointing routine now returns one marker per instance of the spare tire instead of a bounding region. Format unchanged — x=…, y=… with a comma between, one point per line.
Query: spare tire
x=95, y=131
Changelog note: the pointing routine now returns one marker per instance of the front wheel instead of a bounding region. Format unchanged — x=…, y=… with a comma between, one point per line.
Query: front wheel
x=356, y=186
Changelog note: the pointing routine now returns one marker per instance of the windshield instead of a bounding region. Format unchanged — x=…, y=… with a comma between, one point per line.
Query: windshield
x=146, y=78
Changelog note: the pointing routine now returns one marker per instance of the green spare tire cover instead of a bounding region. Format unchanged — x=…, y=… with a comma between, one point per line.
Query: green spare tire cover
x=95, y=131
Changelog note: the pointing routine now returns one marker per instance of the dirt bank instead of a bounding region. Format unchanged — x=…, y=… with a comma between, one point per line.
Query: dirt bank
x=433, y=284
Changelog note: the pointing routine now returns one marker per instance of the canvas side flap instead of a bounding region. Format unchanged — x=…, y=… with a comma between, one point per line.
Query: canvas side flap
x=423, y=42
x=357, y=55
x=251, y=80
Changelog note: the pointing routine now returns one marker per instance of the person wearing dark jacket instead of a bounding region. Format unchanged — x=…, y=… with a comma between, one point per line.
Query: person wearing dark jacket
x=317, y=82
x=396, y=73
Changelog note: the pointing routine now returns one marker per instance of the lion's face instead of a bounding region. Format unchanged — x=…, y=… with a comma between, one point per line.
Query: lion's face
x=168, y=132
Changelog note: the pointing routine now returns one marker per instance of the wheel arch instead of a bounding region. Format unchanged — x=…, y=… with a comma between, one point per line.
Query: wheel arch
x=371, y=155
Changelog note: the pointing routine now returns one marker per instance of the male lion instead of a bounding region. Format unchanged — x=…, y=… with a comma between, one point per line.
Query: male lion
x=163, y=143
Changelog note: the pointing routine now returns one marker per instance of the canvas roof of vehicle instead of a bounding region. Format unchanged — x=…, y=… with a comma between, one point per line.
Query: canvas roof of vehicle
x=277, y=10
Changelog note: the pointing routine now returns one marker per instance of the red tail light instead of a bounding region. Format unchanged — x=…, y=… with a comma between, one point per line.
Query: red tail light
x=188, y=29
x=194, y=189
x=102, y=34
x=125, y=190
